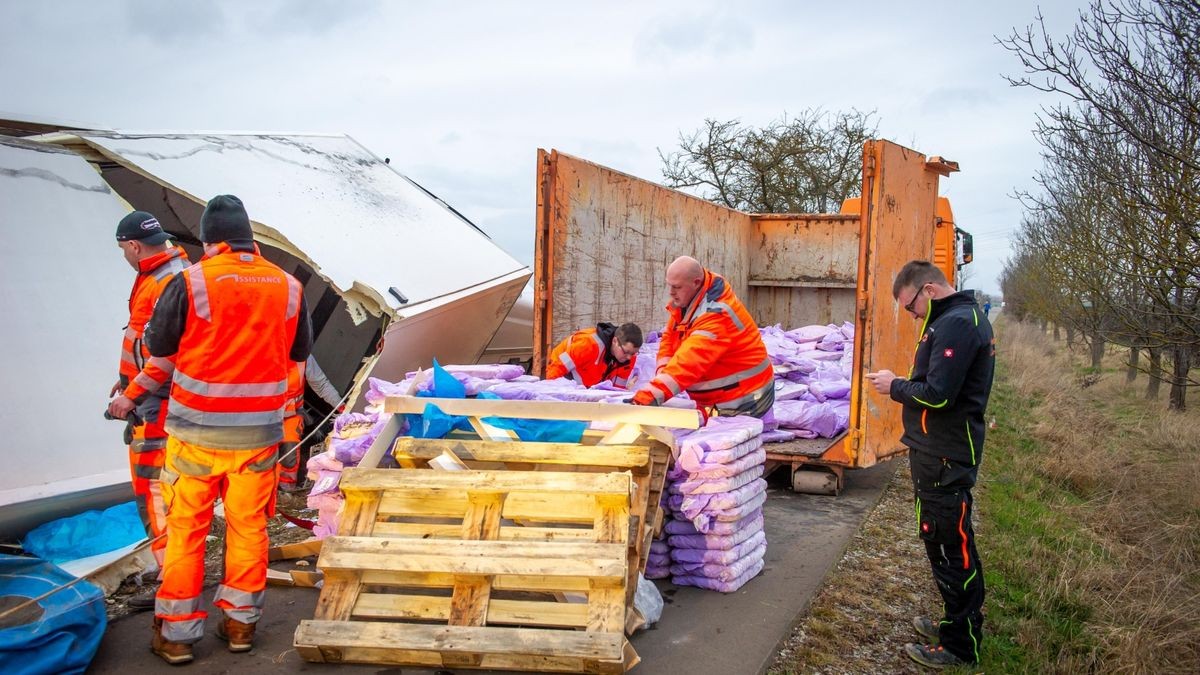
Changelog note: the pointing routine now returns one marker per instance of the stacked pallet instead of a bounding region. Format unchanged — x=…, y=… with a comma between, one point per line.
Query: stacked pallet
x=526, y=560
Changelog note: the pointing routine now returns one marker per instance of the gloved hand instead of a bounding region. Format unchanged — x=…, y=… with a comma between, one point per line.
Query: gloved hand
x=643, y=397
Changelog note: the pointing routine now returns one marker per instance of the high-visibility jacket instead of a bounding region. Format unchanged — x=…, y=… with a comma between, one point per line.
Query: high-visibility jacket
x=230, y=386
x=712, y=350
x=585, y=357
x=144, y=376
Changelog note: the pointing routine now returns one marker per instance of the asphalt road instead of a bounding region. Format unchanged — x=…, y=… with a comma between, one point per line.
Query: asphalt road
x=700, y=633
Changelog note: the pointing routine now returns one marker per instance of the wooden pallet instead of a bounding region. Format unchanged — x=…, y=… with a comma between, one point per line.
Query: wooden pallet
x=646, y=463
x=399, y=591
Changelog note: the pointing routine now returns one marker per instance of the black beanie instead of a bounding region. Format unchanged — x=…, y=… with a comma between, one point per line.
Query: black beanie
x=225, y=219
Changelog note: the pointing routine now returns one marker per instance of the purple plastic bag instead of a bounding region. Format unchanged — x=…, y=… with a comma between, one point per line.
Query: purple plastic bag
x=717, y=584
x=719, y=557
x=706, y=520
x=657, y=571
x=721, y=485
x=778, y=436
x=711, y=542
x=752, y=521
x=721, y=572
x=692, y=505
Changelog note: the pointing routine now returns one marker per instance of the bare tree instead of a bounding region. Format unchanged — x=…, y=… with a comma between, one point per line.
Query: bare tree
x=1120, y=190
x=803, y=164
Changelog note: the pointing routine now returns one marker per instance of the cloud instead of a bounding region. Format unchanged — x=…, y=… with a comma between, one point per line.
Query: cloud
x=957, y=98
x=669, y=39
x=167, y=22
x=172, y=22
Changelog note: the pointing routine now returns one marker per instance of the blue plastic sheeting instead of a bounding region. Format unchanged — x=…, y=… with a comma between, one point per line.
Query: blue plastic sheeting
x=59, y=634
x=433, y=423
x=87, y=534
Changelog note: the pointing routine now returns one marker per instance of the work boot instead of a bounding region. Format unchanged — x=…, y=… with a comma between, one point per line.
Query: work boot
x=926, y=629
x=174, y=653
x=142, y=601
x=240, y=636
x=932, y=656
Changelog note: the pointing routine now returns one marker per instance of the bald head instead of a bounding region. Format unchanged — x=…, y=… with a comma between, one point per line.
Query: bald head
x=684, y=277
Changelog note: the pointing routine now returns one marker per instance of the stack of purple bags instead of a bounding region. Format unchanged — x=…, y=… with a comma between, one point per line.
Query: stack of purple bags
x=715, y=493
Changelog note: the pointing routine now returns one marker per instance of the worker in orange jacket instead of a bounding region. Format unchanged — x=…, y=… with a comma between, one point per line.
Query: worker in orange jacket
x=142, y=382
x=711, y=348
x=592, y=355
x=233, y=323
x=290, y=458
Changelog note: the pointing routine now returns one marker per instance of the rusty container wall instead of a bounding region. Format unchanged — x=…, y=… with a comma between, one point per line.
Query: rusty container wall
x=604, y=240
x=897, y=225
x=803, y=269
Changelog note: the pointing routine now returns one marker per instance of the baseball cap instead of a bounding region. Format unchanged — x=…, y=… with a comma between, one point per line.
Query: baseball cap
x=143, y=227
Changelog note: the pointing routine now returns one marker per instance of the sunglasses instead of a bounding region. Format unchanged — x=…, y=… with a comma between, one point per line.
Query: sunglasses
x=912, y=303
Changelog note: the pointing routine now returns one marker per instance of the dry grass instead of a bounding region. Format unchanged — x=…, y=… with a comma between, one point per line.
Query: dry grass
x=1133, y=468
x=860, y=619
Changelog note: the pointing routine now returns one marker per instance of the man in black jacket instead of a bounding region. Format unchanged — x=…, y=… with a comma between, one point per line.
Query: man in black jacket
x=944, y=398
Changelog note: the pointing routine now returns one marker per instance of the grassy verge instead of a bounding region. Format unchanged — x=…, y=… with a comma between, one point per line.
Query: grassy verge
x=1088, y=522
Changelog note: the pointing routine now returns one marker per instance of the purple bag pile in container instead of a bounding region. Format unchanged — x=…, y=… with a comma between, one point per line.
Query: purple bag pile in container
x=812, y=366
x=715, y=493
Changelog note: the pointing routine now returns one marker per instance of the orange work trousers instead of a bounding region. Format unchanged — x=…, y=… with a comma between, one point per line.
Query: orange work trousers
x=146, y=452
x=289, y=466
x=193, y=477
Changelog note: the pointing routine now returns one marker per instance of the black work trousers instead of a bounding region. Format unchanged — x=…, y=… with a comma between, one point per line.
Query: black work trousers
x=943, y=501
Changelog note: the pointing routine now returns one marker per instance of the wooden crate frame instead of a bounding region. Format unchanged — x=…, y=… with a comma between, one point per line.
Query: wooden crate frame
x=646, y=463
x=445, y=613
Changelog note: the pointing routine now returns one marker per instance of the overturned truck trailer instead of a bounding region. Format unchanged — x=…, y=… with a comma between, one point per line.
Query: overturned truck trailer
x=604, y=240
x=393, y=276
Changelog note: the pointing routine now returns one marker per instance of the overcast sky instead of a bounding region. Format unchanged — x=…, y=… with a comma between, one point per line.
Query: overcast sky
x=461, y=95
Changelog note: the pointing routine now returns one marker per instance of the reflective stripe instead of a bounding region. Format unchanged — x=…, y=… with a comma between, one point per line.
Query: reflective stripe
x=924, y=416
x=931, y=405
x=728, y=311
x=569, y=362
x=185, y=630
x=963, y=536
x=164, y=607
x=662, y=361
x=970, y=442
x=146, y=382
x=705, y=334
x=243, y=605
x=748, y=398
x=127, y=357
x=199, y=292
x=596, y=338
x=670, y=383
x=130, y=333
x=146, y=471
x=223, y=438
x=162, y=362
x=148, y=445
x=294, y=292
x=658, y=395
x=169, y=270
x=229, y=389
x=225, y=419
x=728, y=380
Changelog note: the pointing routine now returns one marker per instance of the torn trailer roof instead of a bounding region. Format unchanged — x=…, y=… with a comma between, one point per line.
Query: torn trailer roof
x=393, y=276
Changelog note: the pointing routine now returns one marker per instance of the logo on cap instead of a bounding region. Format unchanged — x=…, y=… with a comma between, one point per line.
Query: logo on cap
x=151, y=224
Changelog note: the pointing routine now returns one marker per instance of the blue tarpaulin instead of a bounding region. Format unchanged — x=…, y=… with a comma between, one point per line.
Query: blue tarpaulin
x=87, y=534
x=59, y=634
